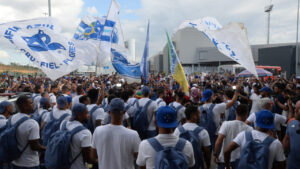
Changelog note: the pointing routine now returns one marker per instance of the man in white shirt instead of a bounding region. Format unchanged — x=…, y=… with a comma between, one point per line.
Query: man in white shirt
x=28, y=135
x=255, y=99
x=62, y=108
x=217, y=110
x=6, y=110
x=44, y=110
x=160, y=100
x=165, y=119
x=151, y=131
x=266, y=104
x=228, y=131
x=53, y=94
x=38, y=90
x=179, y=107
x=116, y=146
x=98, y=113
x=81, y=143
x=265, y=123
x=193, y=117
x=80, y=92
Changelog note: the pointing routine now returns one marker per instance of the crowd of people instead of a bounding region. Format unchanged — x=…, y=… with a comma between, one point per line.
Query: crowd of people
x=81, y=122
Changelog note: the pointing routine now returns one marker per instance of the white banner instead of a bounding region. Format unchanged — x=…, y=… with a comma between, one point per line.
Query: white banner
x=45, y=47
x=231, y=40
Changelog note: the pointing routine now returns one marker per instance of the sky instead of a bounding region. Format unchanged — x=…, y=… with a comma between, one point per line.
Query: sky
x=163, y=15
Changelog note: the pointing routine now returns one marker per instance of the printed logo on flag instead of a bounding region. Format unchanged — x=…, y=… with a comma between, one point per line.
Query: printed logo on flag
x=41, y=42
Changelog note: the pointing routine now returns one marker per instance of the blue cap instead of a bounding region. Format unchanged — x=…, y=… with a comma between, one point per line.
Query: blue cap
x=166, y=117
x=266, y=89
x=145, y=89
x=265, y=119
x=4, y=105
x=78, y=108
x=43, y=101
x=116, y=105
x=61, y=101
x=206, y=95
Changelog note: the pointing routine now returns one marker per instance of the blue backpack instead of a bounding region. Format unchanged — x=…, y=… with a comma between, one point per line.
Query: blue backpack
x=207, y=121
x=176, y=108
x=293, y=157
x=38, y=117
x=8, y=141
x=58, y=149
x=140, y=120
x=90, y=124
x=231, y=115
x=254, y=154
x=193, y=137
x=169, y=157
x=51, y=127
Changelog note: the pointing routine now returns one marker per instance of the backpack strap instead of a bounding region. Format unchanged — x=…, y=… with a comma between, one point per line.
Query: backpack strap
x=127, y=107
x=269, y=140
x=73, y=132
x=155, y=144
x=93, y=110
x=135, y=101
x=180, y=144
x=211, y=107
x=138, y=105
x=248, y=135
x=198, y=130
x=51, y=115
x=44, y=112
x=146, y=108
x=63, y=117
x=159, y=102
x=23, y=119
x=181, y=129
x=64, y=125
x=201, y=109
x=2, y=118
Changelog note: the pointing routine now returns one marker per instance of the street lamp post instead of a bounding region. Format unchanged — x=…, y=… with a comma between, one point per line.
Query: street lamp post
x=297, y=39
x=49, y=8
x=268, y=10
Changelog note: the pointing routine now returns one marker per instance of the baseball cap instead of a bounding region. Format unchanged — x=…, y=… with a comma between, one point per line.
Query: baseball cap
x=138, y=95
x=206, y=95
x=145, y=90
x=43, y=101
x=116, y=105
x=3, y=106
x=78, y=108
x=266, y=89
x=265, y=119
x=61, y=101
x=166, y=117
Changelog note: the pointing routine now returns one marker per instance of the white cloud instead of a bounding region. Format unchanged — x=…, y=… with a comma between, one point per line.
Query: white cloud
x=168, y=14
x=92, y=10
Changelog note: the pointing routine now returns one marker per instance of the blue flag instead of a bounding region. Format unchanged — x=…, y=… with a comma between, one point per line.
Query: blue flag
x=144, y=62
x=123, y=67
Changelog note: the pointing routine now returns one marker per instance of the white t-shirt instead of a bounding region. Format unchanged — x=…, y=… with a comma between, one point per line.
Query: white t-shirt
x=161, y=102
x=146, y=156
x=115, y=146
x=57, y=113
x=36, y=100
x=45, y=115
x=151, y=109
x=75, y=100
x=230, y=129
x=180, y=112
x=203, y=135
x=98, y=114
x=255, y=99
x=3, y=120
x=275, y=149
x=28, y=130
x=217, y=110
x=80, y=140
x=52, y=98
x=278, y=120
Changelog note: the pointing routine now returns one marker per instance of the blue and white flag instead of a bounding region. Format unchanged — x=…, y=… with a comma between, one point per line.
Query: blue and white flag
x=230, y=40
x=45, y=47
x=109, y=36
x=131, y=72
x=144, y=61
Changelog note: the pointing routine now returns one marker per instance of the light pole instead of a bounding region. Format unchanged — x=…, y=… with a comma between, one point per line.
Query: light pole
x=268, y=10
x=297, y=39
x=49, y=8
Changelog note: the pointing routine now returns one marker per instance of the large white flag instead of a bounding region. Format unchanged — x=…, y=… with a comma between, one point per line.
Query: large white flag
x=109, y=35
x=45, y=47
x=230, y=40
